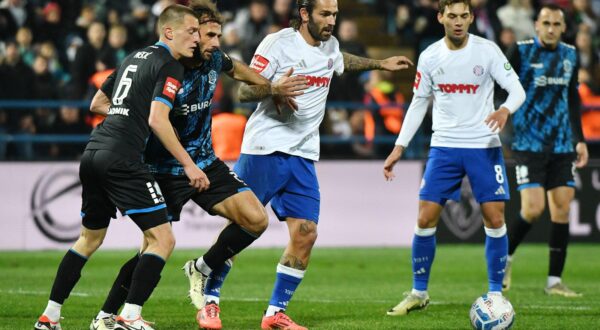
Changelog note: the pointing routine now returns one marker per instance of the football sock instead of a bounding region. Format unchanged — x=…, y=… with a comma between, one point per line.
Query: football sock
x=552, y=280
x=232, y=240
x=103, y=314
x=202, y=267
x=518, y=231
x=496, y=252
x=67, y=275
x=120, y=288
x=423, y=252
x=144, y=279
x=286, y=282
x=52, y=311
x=131, y=311
x=212, y=291
x=559, y=238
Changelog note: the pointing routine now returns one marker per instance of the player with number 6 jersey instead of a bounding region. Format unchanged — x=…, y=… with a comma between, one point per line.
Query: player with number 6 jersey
x=459, y=72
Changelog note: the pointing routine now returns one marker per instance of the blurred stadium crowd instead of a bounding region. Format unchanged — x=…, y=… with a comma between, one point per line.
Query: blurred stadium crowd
x=63, y=50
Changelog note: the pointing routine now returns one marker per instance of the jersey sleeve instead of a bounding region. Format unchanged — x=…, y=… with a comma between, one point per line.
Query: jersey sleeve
x=500, y=68
x=227, y=63
x=422, y=87
x=168, y=83
x=338, y=62
x=575, y=106
x=264, y=60
x=109, y=84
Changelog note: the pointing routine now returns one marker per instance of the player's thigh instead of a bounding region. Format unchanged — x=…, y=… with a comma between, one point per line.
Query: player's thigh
x=264, y=174
x=96, y=208
x=176, y=191
x=443, y=176
x=561, y=171
x=487, y=174
x=244, y=209
x=559, y=202
x=533, y=202
x=429, y=214
x=132, y=188
x=300, y=196
x=530, y=169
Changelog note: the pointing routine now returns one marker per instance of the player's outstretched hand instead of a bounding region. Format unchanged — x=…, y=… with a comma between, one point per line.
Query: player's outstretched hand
x=497, y=119
x=390, y=161
x=396, y=63
x=582, y=154
x=198, y=178
x=286, y=88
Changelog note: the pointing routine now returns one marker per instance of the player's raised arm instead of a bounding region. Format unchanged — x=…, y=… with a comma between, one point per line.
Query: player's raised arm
x=357, y=63
x=283, y=90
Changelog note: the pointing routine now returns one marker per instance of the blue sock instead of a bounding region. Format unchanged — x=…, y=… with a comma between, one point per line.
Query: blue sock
x=496, y=252
x=286, y=283
x=212, y=290
x=423, y=252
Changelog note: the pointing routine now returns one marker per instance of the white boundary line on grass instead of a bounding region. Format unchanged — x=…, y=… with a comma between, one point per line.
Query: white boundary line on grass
x=322, y=301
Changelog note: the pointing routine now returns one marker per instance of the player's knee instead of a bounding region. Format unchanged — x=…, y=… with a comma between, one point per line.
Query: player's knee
x=306, y=235
x=163, y=241
x=256, y=221
x=424, y=221
x=532, y=214
x=88, y=242
x=495, y=221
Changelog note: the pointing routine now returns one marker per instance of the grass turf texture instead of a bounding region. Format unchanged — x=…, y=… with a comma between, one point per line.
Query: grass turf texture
x=343, y=289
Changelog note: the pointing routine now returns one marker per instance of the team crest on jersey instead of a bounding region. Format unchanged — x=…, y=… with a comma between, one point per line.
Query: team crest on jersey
x=567, y=66
x=212, y=77
x=478, y=70
x=329, y=64
x=259, y=63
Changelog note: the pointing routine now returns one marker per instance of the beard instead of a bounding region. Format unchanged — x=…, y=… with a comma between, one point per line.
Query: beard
x=314, y=31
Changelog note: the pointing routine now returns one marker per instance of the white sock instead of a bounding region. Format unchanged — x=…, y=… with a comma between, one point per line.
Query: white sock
x=552, y=280
x=131, y=311
x=495, y=293
x=52, y=311
x=419, y=293
x=202, y=267
x=271, y=310
x=103, y=314
x=209, y=299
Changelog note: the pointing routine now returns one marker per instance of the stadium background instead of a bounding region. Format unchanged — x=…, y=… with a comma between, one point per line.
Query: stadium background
x=54, y=55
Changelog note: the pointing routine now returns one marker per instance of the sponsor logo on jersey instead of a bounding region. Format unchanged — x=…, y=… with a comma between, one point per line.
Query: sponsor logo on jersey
x=185, y=109
x=542, y=81
x=171, y=87
x=118, y=111
x=259, y=63
x=301, y=64
x=459, y=88
x=142, y=55
x=317, y=81
x=417, y=80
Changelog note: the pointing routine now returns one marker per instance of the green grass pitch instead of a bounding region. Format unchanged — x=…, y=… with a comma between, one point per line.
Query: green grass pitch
x=343, y=289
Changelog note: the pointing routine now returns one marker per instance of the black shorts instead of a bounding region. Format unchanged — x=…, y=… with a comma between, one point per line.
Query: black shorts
x=109, y=180
x=177, y=190
x=548, y=170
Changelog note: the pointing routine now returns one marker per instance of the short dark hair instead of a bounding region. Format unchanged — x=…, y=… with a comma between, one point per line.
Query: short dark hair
x=309, y=5
x=549, y=6
x=173, y=13
x=446, y=3
x=206, y=11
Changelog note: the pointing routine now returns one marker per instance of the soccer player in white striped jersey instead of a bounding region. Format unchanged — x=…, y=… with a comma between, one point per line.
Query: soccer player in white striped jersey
x=280, y=147
x=459, y=72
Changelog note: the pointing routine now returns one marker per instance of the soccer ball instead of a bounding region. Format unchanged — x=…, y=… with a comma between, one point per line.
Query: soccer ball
x=492, y=312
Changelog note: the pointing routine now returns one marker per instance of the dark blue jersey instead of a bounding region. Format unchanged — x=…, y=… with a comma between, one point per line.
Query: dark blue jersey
x=191, y=118
x=550, y=119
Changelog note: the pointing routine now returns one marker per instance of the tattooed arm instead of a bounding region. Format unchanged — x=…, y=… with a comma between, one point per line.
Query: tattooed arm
x=357, y=63
x=283, y=90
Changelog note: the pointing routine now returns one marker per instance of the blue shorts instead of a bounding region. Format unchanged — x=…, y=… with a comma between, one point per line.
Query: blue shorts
x=446, y=168
x=288, y=182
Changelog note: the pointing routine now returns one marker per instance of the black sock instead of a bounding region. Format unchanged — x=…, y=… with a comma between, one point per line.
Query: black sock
x=517, y=232
x=232, y=240
x=120, y=289
x=145, y=278
x=559, y=238
x=67, y=275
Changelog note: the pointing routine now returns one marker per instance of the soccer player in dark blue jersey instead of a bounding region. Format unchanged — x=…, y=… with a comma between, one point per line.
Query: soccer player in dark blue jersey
x=548, y=141
x=226, y=195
